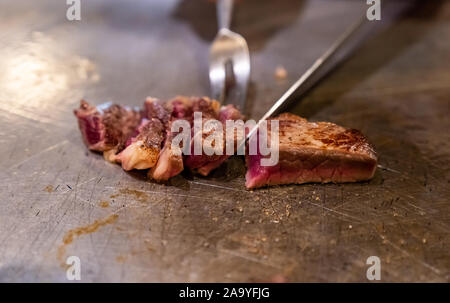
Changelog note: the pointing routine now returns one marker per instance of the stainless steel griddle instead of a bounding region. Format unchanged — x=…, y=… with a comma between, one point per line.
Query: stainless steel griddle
x=395, y=89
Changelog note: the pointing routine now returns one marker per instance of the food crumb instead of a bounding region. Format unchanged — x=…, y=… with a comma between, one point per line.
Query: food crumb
x=350, y=227
x=424, y=241
x=280, y=73
x=288, y=207
x=104, y=204
x=121, y=259
x=49, y=188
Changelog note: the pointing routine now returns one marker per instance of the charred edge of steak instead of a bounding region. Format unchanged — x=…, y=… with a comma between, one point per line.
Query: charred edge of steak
x=106, y=126
x=314, y=152
x=204, y=164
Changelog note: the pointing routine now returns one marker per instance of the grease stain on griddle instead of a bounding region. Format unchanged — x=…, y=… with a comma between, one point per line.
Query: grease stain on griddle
x=121, y=259
x=139, y=195
x=70, y=236
x=103, y=204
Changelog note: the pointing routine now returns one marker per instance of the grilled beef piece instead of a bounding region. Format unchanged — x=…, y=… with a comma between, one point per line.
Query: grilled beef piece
x=204, y=164
x=314, y=152
x=209, y=108
x=210, y=111
x=170, y=163
x=142, y=149
x=230, y=112
x=154, y=108
x=106, y=126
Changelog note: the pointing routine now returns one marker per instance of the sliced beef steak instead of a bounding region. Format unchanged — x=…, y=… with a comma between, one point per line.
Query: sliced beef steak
x=204, y=164
x=106, y=126
x=170, y=163
x=308, y=152
x=210, y=111
x=314, y=152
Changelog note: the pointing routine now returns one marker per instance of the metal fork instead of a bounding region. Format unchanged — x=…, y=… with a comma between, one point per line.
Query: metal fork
x=228, y=48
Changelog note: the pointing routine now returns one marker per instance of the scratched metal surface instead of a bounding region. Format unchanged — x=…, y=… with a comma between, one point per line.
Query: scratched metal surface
x=395, y=89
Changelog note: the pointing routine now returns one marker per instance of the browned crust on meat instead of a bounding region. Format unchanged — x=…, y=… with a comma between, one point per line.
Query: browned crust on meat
x=208, y=107
x=152, y=134
x=297, y=135
x=119, y=123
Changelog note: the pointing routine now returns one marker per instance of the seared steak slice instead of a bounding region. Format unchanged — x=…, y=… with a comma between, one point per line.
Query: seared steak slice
x=204, y=164
x=230, y=112
x=142, y=149
x=180, y=108
x=314, y=152
x=209, y=108
x=154, y=108
x=106, y=126
x=170, y=163
x=210, y=111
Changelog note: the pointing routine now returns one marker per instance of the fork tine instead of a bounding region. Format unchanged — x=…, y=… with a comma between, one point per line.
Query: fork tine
x=217, y=75
x=241, y=70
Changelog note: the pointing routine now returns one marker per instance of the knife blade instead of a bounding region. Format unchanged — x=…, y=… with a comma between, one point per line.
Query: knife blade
x=340, y=50
x=304, y=83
